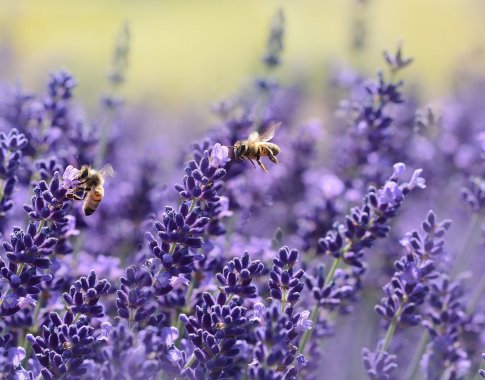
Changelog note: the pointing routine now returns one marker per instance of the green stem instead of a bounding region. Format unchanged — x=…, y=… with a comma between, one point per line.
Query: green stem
x=4, y=296
x=32, y=328
x=314, y=314
x=464, y=254
x=20, y=268
x=131, y=319
x=2, y=183
x=391, y=329
x=190, y=361
x=178, y=322
x=192, y=205
x=283, y=300
x=478, y=377
x=229, y=298
x=41, y=225
x=413, y=366
x=476, y=296
x=331, y=272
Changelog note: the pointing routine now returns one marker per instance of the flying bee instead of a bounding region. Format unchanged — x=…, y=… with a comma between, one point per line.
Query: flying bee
x=257, y=146
x=91, y=185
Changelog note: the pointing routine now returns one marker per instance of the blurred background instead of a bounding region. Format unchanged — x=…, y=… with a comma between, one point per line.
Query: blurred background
x=186, y=54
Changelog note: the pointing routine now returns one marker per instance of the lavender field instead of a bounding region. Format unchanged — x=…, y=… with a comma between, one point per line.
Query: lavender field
x=313, y=226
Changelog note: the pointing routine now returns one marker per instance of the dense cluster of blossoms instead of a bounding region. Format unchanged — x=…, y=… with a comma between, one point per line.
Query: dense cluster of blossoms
x=196, y=280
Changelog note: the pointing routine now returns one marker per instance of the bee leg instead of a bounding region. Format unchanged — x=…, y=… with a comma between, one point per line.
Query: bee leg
x=252, y=162
x=85, y=191
x=271, y=156
x=258, y=159
x=75, y=197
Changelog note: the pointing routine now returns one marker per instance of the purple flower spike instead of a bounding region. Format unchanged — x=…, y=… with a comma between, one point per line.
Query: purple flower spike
x=219, y=155
x=70, y=177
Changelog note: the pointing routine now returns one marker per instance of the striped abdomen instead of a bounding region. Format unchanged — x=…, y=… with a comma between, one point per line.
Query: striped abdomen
x=93, y=199
x=275, y=149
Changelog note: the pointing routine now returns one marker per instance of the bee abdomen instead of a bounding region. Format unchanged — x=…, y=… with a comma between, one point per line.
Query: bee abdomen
x=93, y=200
x=274, y=148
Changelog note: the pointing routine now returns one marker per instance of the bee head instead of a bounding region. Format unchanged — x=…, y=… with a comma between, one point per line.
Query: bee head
x=83, y=173
x=239, y=149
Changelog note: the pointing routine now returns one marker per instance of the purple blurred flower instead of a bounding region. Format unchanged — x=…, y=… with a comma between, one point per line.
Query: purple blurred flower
x=219, y=155
x=169, y=335
x=179, y=281
x=16, y=355
x=70, y=177
x=304, y=323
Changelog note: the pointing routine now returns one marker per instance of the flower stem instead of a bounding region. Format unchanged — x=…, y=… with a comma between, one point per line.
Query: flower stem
x=178, y=322
x=27, y=347
x=476, y=296
x=391, y=329
x=283, y=300
x=413, y=366
x=478, y=376
x=229, y=298
x=190, y=361
x=314, y=315
x=464, y=254
x=331, y=272
x=20, y=268
x=41, y=225
x=192, y=205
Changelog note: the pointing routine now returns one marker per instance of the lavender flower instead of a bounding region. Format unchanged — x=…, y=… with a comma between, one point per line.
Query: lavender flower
x=369, y=222
x=237, y=277
x=187, y=304
x=379, y=364
x=272, y=57
x=135, y=296
x=285, y=285
x=396, y=61
x=474, y=193
x=63, y=349
x=11, y=147
x=84, y=295
x=445, y=356
x=410, y=284
x=214, y=331
x=219, y=155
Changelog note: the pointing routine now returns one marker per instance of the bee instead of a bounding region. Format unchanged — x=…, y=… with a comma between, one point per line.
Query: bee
x=91, y=185
x=257, y=146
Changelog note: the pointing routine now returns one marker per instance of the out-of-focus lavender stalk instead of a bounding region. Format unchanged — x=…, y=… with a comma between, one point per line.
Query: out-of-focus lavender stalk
x=363, y=227
x=116, y=78
x=416, y=273
x=474, y=195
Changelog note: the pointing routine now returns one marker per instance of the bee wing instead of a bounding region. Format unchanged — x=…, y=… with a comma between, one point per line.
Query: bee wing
x=268, y=134
x=253, y=136
x=107, y=171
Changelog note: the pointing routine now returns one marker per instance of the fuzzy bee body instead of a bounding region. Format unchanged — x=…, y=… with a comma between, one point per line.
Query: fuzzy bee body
x=91, y=184
x=257, y=146
x=94, y=196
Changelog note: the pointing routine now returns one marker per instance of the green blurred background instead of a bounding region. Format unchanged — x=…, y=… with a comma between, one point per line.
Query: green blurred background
x=188, y=53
